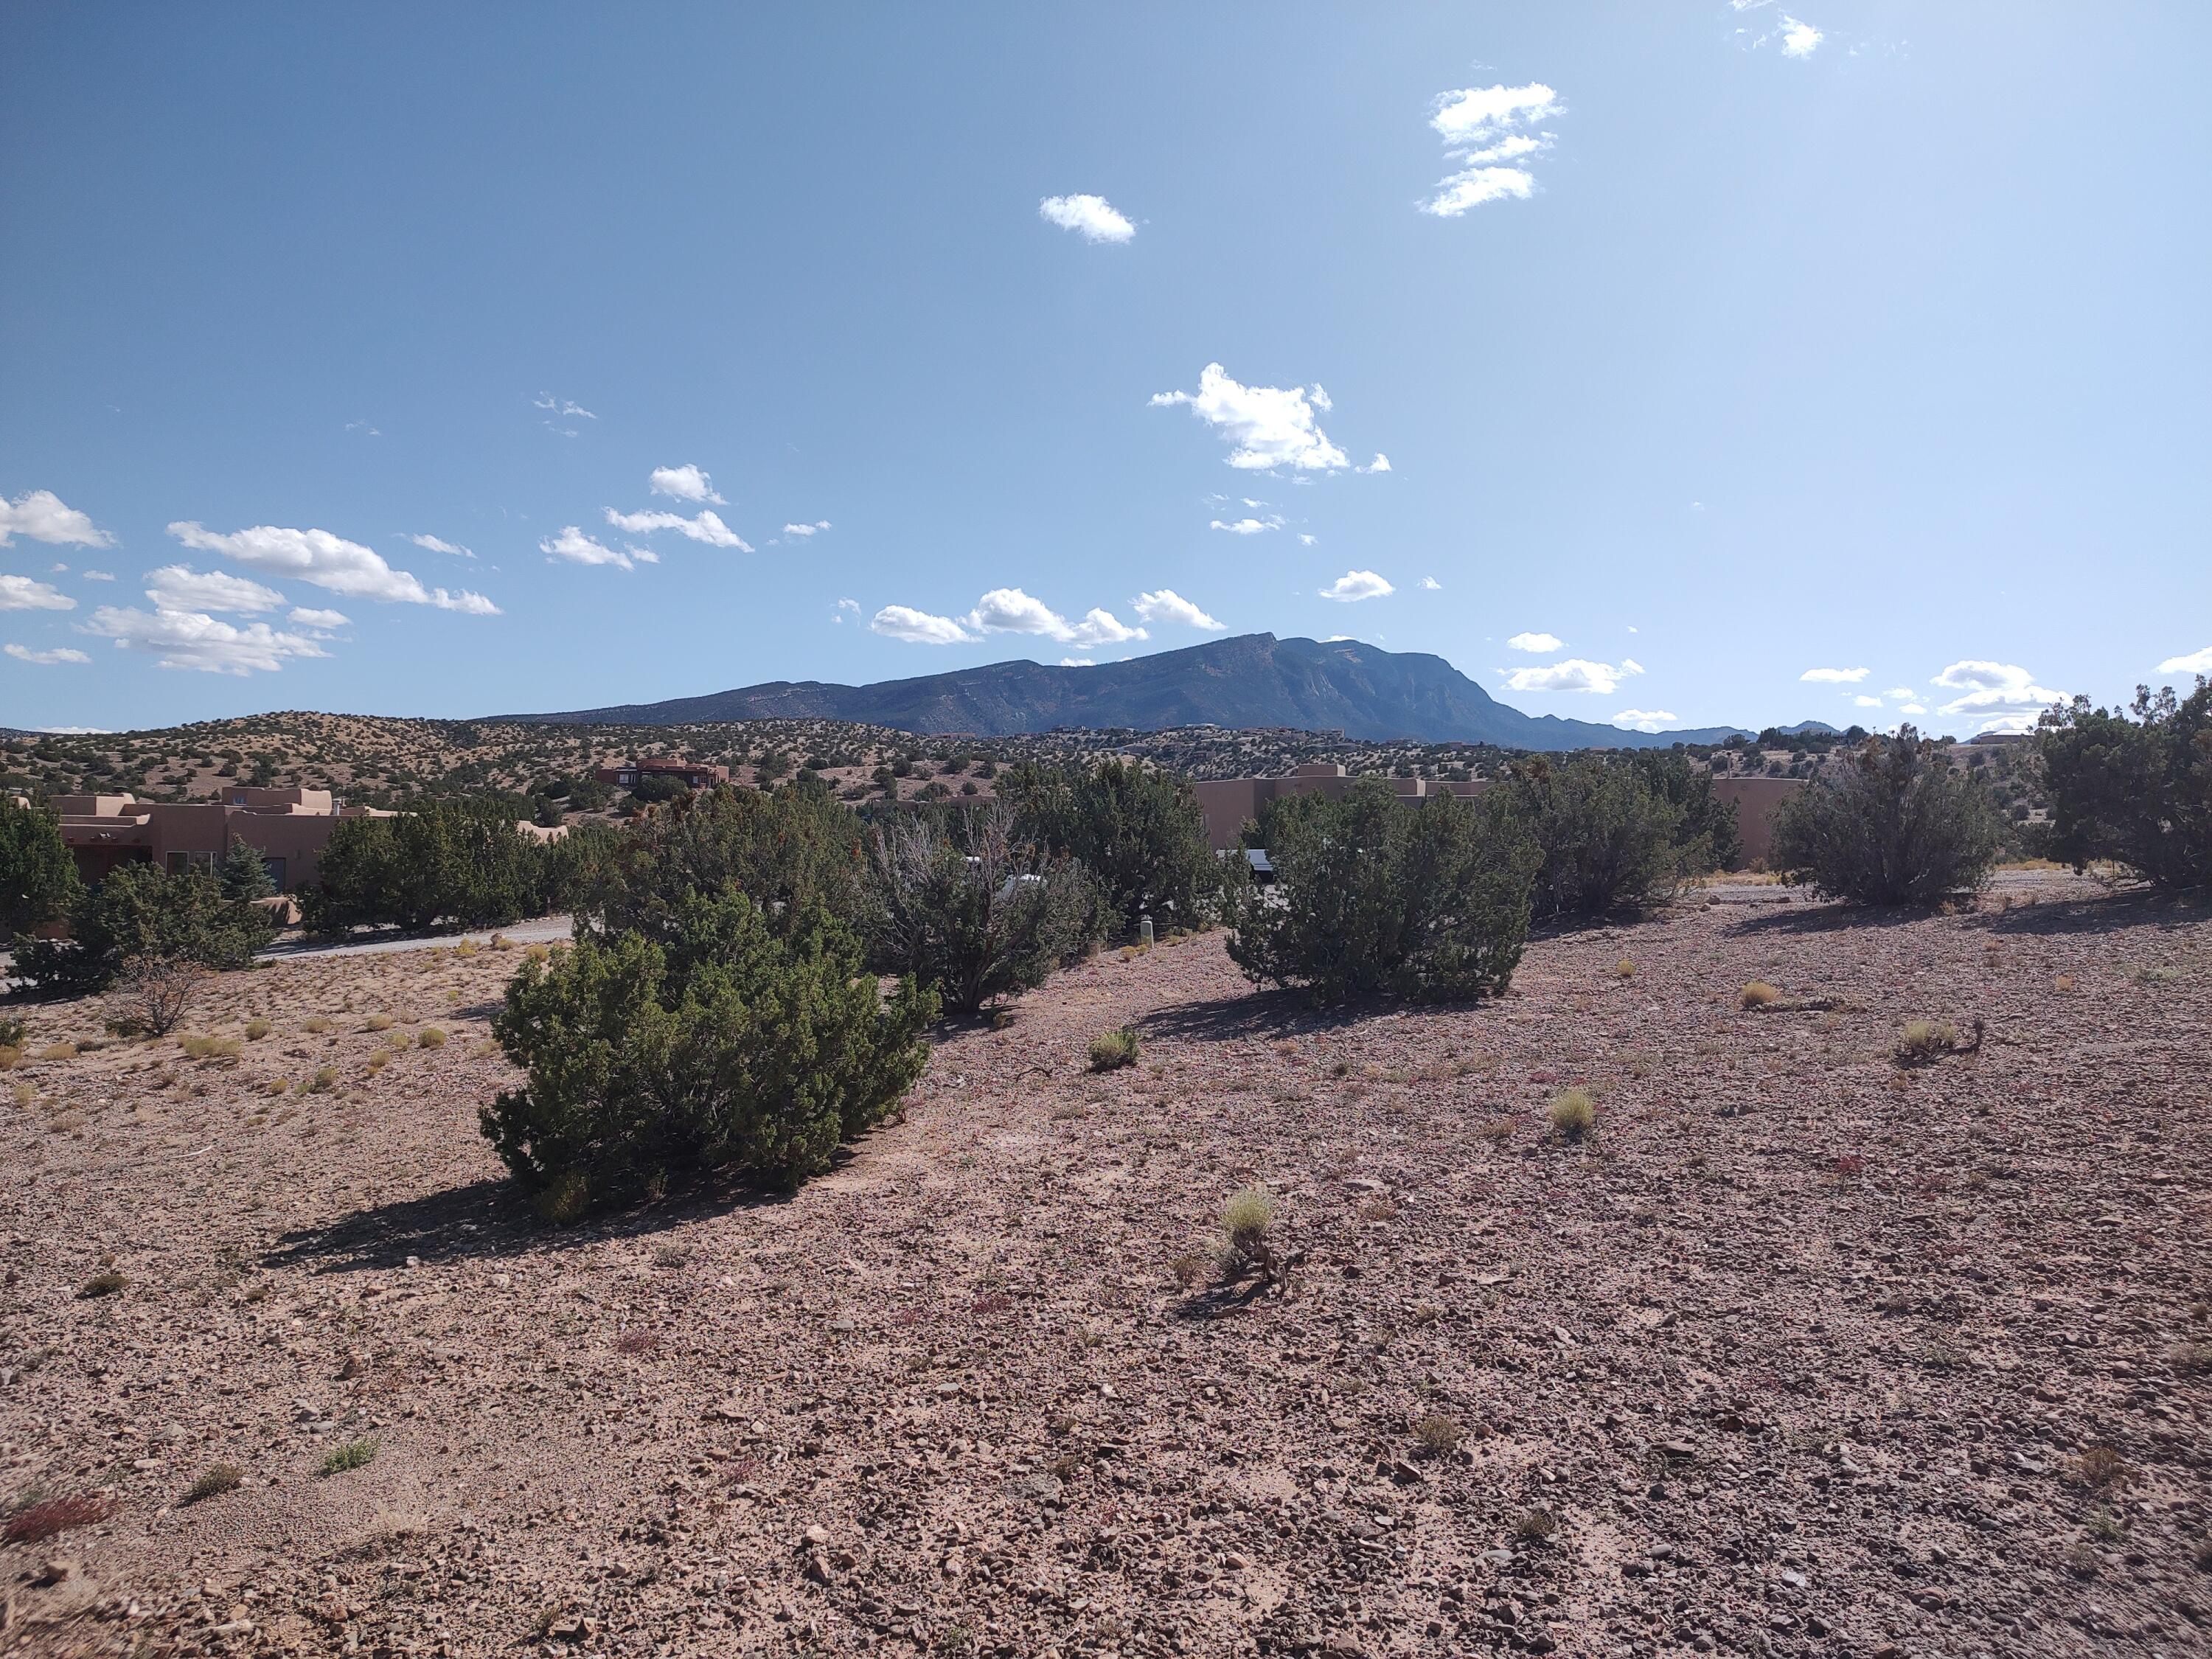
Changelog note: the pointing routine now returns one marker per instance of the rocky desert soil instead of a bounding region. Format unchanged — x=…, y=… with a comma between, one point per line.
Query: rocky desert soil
x=1803, y=1351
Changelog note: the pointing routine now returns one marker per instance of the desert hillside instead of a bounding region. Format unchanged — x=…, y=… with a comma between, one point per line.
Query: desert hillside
x=1804, y=1350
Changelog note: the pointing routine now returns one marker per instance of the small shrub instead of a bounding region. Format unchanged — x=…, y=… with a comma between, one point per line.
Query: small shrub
x=219, y=1479
x=377, y=1023
x=1439, y=1434
x=10, y=1057
x=379, y=1060
x=1573, y=1114
x=350, y=1455
x=57, y=1051
x=1925, y=1039
x=1110, y=1050
x=257, y=1028
x=35, y=1522
x=1189, y=1269
x=315, y=1024
x=325, y=1080
x=210, y=1047
x=430, y=1037
x=14, y=1032
x=1536, y=1525
x=2190, y=1359
x=1757, y=994
x=1624, y=969
x=105, y=1283
x=1246, y=1222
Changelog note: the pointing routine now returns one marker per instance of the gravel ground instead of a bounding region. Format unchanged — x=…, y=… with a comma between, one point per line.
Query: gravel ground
x=1803, y=1351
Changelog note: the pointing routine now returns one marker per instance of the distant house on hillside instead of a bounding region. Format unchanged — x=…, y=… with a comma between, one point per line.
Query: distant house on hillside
x=290, y=828
x=626, y=775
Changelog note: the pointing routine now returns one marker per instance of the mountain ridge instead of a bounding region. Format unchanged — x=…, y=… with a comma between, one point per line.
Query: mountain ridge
x=1248, y=681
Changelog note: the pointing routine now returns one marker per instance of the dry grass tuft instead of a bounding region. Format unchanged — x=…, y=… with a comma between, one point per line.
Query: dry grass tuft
x=351, y=1454
x=1189, y=1269
x=2099, y=1468
x=1757, y=994
x=36, y=1522
x=1111, y=1050
x=10, y=1057
x=211, y=1047
x=257, y=1028
x=1624, y=969
x=1573, y=1114
x=377, y=1023
x=106, y=1282
x=1536, y=1525
x=1925, y=1039
x=2063, y=982
x=316, y=1024
x=430, y=1037
x=324, y=1080
x=57, y=1051
x=222, y=1478
x=1439, y=1434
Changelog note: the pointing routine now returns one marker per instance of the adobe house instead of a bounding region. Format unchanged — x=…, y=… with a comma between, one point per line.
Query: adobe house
x=290, y=828
x=1227, y=803
x=625, y=774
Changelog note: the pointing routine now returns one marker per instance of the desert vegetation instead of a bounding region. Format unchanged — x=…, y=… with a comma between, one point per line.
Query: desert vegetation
x=1895, y=826
x=2133, y=787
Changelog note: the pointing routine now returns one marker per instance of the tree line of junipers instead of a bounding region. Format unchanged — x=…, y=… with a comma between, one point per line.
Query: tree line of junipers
x=723, y=1005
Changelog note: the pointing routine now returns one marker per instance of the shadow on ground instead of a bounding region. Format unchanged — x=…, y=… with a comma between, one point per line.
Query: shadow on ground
x=1258, y=1013
x=490, y=1219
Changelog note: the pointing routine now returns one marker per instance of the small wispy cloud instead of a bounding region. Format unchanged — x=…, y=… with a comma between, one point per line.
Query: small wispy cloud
x=440, y=544
x=1431, y=584
x=706, y=525
x=1490, y=132
x=1354, y=585
x=562, y=407
x=574, y=545
x=685, y=484
x=1536, y=642
x=1092, y=217
x=1249, y=526
x=814, y=529
x=60, y=653
x=1834, y=676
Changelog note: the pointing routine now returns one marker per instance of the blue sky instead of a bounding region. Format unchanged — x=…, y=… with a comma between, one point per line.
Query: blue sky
x=1710, y=346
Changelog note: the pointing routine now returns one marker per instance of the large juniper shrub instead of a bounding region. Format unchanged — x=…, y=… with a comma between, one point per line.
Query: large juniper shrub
x=1709, y=833
x=790, y=849
x=1892, y=825
x=954, y=900
x=1609, y=840
x=1421, y=900
x=722, y=1041
x=461, y=862
x=37, y=877
x=1137, y=831
x=2137, y=790
x=138, y=914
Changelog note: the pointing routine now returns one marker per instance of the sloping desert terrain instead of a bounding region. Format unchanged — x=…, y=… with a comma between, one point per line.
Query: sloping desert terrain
x=1804, y=1351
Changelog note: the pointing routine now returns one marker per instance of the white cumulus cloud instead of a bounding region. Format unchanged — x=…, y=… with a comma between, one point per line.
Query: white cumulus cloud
x=2001, y=696
x=1380, y=463
x=177, y=588
x=1092, y=217
x=1489, y=132
x=326, y=560
x=1356, y=585
x=574, y=545
x=2197, y=662
x=44, y=517
x=706, y=526
x=1538, y=642
x=1249, y=526
x=902, y=621
x=814, y=529
x=1643, y=720
x=1266, y=426
x=1169, y=606
x=440, y=544
x=1834, y=676
x=1010, y=610
x=60, y=653
x=192, y=640
x=685, y=484
x=1799, y=39
x=22, y=593
x=1575, y=674
x=301, y=616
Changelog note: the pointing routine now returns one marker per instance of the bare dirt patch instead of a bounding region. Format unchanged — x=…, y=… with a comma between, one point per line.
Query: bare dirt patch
x=1794, y=1350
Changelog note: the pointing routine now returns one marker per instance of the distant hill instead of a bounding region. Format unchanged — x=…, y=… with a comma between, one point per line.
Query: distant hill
x=1251, y=681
